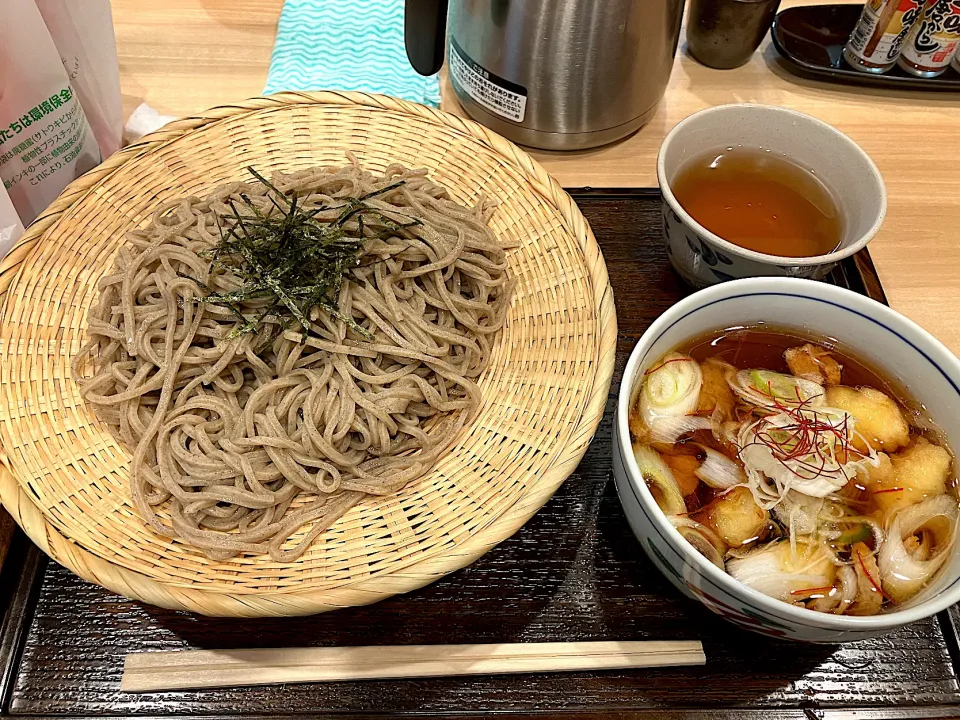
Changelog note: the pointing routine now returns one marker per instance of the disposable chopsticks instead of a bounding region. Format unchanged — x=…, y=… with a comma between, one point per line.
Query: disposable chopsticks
x=158, y=671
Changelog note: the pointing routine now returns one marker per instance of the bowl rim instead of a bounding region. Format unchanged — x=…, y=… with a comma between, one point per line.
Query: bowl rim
x=759, y=257
x=771, y=606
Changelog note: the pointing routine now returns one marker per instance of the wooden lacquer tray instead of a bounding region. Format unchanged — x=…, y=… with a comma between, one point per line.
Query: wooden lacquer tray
x=573, y=572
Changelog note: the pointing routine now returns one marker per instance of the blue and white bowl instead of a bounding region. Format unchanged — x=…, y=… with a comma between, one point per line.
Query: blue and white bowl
x=703, y=258
x=893, y=344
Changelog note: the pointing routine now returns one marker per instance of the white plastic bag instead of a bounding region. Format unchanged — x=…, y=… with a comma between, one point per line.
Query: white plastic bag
x=10, y=226
x=82, y=30
x=45, y=139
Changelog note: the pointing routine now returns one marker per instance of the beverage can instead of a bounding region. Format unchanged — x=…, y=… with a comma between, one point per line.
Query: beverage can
x=875, y=42
x=932, y=43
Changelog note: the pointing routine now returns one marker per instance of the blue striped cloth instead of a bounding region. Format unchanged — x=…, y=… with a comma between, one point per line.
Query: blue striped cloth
x=346, y=45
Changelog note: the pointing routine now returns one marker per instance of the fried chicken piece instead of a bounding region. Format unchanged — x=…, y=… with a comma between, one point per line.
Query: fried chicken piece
x=813, y=363
x=869, y=597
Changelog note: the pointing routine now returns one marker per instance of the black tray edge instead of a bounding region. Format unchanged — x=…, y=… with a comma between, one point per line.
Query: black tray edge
x=20, y=581
x=848, y=76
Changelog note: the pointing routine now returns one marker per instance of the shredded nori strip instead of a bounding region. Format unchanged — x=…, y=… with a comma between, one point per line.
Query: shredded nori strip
x=291, y=258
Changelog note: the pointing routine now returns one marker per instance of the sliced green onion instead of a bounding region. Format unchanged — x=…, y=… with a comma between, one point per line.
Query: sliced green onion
x=659, y=480
x=671, y=389
x=860, y=532
x=772, y=389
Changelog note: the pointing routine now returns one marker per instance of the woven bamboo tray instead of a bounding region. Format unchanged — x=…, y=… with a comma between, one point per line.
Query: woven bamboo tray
x=64, y=478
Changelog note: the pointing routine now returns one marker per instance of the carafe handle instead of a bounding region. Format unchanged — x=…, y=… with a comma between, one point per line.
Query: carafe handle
x=425, y=30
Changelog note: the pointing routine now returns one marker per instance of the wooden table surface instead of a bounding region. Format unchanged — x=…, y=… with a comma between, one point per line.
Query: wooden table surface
x=182, y=56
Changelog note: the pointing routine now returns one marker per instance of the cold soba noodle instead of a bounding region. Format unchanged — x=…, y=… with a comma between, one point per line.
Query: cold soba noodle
x=276, y=351
x=797, y=470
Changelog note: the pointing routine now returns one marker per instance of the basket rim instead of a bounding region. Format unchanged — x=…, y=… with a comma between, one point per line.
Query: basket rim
x=140, y=587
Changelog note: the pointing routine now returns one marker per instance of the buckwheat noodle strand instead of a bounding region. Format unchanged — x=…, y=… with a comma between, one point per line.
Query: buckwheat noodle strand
x=240, y=441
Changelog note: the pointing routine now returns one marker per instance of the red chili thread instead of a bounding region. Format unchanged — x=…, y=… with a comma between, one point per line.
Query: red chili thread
x=665, y=363
x=866, y=572
x=803, y=436
x=808, y=591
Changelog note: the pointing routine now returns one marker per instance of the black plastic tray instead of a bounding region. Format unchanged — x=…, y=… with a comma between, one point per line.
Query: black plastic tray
x=573, y=572
x=811, y=41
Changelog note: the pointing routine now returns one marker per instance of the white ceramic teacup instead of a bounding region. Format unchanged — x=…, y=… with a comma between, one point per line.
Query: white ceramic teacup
x=703, y=258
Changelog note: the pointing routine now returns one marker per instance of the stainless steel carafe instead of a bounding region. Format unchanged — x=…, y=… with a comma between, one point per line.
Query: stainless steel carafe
x=555, y=74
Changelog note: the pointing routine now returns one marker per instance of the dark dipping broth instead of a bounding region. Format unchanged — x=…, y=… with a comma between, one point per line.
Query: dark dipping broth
x=814, y=480
x=754, y=347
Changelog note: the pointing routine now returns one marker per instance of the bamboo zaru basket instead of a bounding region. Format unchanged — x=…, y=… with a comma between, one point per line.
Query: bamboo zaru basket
x=64, y=478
